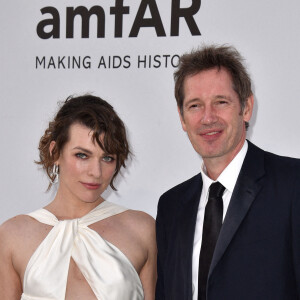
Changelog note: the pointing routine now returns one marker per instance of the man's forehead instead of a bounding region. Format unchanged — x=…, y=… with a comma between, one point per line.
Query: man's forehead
x=216, y=70
x=218, y=75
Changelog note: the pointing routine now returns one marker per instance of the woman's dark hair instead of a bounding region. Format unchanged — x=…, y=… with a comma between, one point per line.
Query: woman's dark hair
x=94, y=113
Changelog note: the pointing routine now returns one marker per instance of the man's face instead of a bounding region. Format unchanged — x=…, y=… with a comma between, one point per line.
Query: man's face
x=212, y=115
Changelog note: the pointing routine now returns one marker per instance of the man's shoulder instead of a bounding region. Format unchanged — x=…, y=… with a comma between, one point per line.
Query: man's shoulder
x=275, y=161
x=282, y=159
x=179, y=190
x=286, y=167
x=276, y=157
x=170, y=203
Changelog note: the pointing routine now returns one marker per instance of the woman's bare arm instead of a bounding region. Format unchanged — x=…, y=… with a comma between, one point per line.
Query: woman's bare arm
x=10, y=283
x=148, y=273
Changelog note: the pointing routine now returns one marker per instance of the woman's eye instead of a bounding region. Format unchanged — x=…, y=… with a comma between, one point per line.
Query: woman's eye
x=81, y=155
x=108, y=158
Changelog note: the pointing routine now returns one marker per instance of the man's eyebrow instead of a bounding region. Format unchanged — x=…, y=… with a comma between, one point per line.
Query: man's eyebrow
x=222, y=97
x=215, y=97
x=82, y=149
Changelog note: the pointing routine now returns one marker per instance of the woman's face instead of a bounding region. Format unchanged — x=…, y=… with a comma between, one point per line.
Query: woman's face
x=85, y=170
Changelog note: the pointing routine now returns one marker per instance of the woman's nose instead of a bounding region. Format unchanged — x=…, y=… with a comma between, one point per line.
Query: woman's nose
x=95, y=169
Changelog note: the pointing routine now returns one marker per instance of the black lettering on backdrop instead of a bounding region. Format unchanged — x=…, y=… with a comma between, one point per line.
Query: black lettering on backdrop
x=157, y=61
x=107, y=62
x=175, y=57
x=114, y=62
x=63, y=62
x=85, y=16
x=50, y=27
x=127, y=62
x=119, y=10
x=140, y=21
x=40, y=62
x=102, y=62
x=54, y=22
x=186, y=13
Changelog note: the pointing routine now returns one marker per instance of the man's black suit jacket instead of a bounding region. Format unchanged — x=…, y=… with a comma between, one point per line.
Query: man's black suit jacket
x=257, y=256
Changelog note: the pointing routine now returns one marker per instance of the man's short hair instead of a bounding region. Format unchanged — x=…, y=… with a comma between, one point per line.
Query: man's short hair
x=209, y=57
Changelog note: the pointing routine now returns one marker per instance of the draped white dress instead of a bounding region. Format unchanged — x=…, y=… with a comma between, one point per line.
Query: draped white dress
x=107, y=270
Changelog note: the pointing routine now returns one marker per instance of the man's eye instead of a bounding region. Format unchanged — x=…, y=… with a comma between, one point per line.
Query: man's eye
x=194, y=106
x=222, y=102
x=81, y=155
x=108, y=158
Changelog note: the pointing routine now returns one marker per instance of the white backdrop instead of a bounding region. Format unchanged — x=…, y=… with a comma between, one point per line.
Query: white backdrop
x=265, y=32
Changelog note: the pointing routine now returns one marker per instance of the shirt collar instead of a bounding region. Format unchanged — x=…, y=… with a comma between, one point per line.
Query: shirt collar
x=230, y=174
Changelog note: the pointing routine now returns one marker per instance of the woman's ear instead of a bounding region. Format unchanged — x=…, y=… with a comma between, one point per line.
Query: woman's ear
x=51, y=148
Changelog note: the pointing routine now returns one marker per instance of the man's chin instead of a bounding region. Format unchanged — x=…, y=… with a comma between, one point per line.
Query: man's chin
x=210, y=153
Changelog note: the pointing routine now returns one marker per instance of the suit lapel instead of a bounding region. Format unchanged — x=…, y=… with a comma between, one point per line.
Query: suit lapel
x=249, y=183
x=187, y=221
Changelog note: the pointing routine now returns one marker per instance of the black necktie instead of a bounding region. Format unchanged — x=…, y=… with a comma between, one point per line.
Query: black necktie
x=211, y=229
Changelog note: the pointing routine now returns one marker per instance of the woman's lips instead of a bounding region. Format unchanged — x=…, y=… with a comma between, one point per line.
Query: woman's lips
x=91, y=186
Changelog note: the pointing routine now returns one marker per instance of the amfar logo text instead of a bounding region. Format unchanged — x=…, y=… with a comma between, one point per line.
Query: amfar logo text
x=119, y=10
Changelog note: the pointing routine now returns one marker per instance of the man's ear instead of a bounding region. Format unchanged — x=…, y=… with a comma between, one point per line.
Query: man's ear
x=248, y=109
x=181, y=118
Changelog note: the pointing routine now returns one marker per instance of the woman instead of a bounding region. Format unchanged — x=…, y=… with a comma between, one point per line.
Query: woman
x=80, y=246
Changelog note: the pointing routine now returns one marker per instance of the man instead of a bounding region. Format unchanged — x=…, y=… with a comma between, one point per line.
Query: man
x=232, y=232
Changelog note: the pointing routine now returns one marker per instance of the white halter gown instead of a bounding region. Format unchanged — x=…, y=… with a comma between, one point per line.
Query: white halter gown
x=107, y=270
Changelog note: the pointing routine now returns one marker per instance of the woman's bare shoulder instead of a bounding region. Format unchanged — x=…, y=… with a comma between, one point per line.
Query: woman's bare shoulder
x=140, y=218
x=16, y=223
x=16, y=227
x=140, y=222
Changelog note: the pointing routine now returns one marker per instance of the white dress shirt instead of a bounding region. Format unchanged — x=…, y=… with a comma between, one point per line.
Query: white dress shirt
x=228, y=179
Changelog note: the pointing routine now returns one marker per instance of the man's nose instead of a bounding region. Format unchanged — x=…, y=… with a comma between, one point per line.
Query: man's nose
x=209, y=115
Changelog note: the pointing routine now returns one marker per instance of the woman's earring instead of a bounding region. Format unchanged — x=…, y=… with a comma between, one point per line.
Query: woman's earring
x=55, y=172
